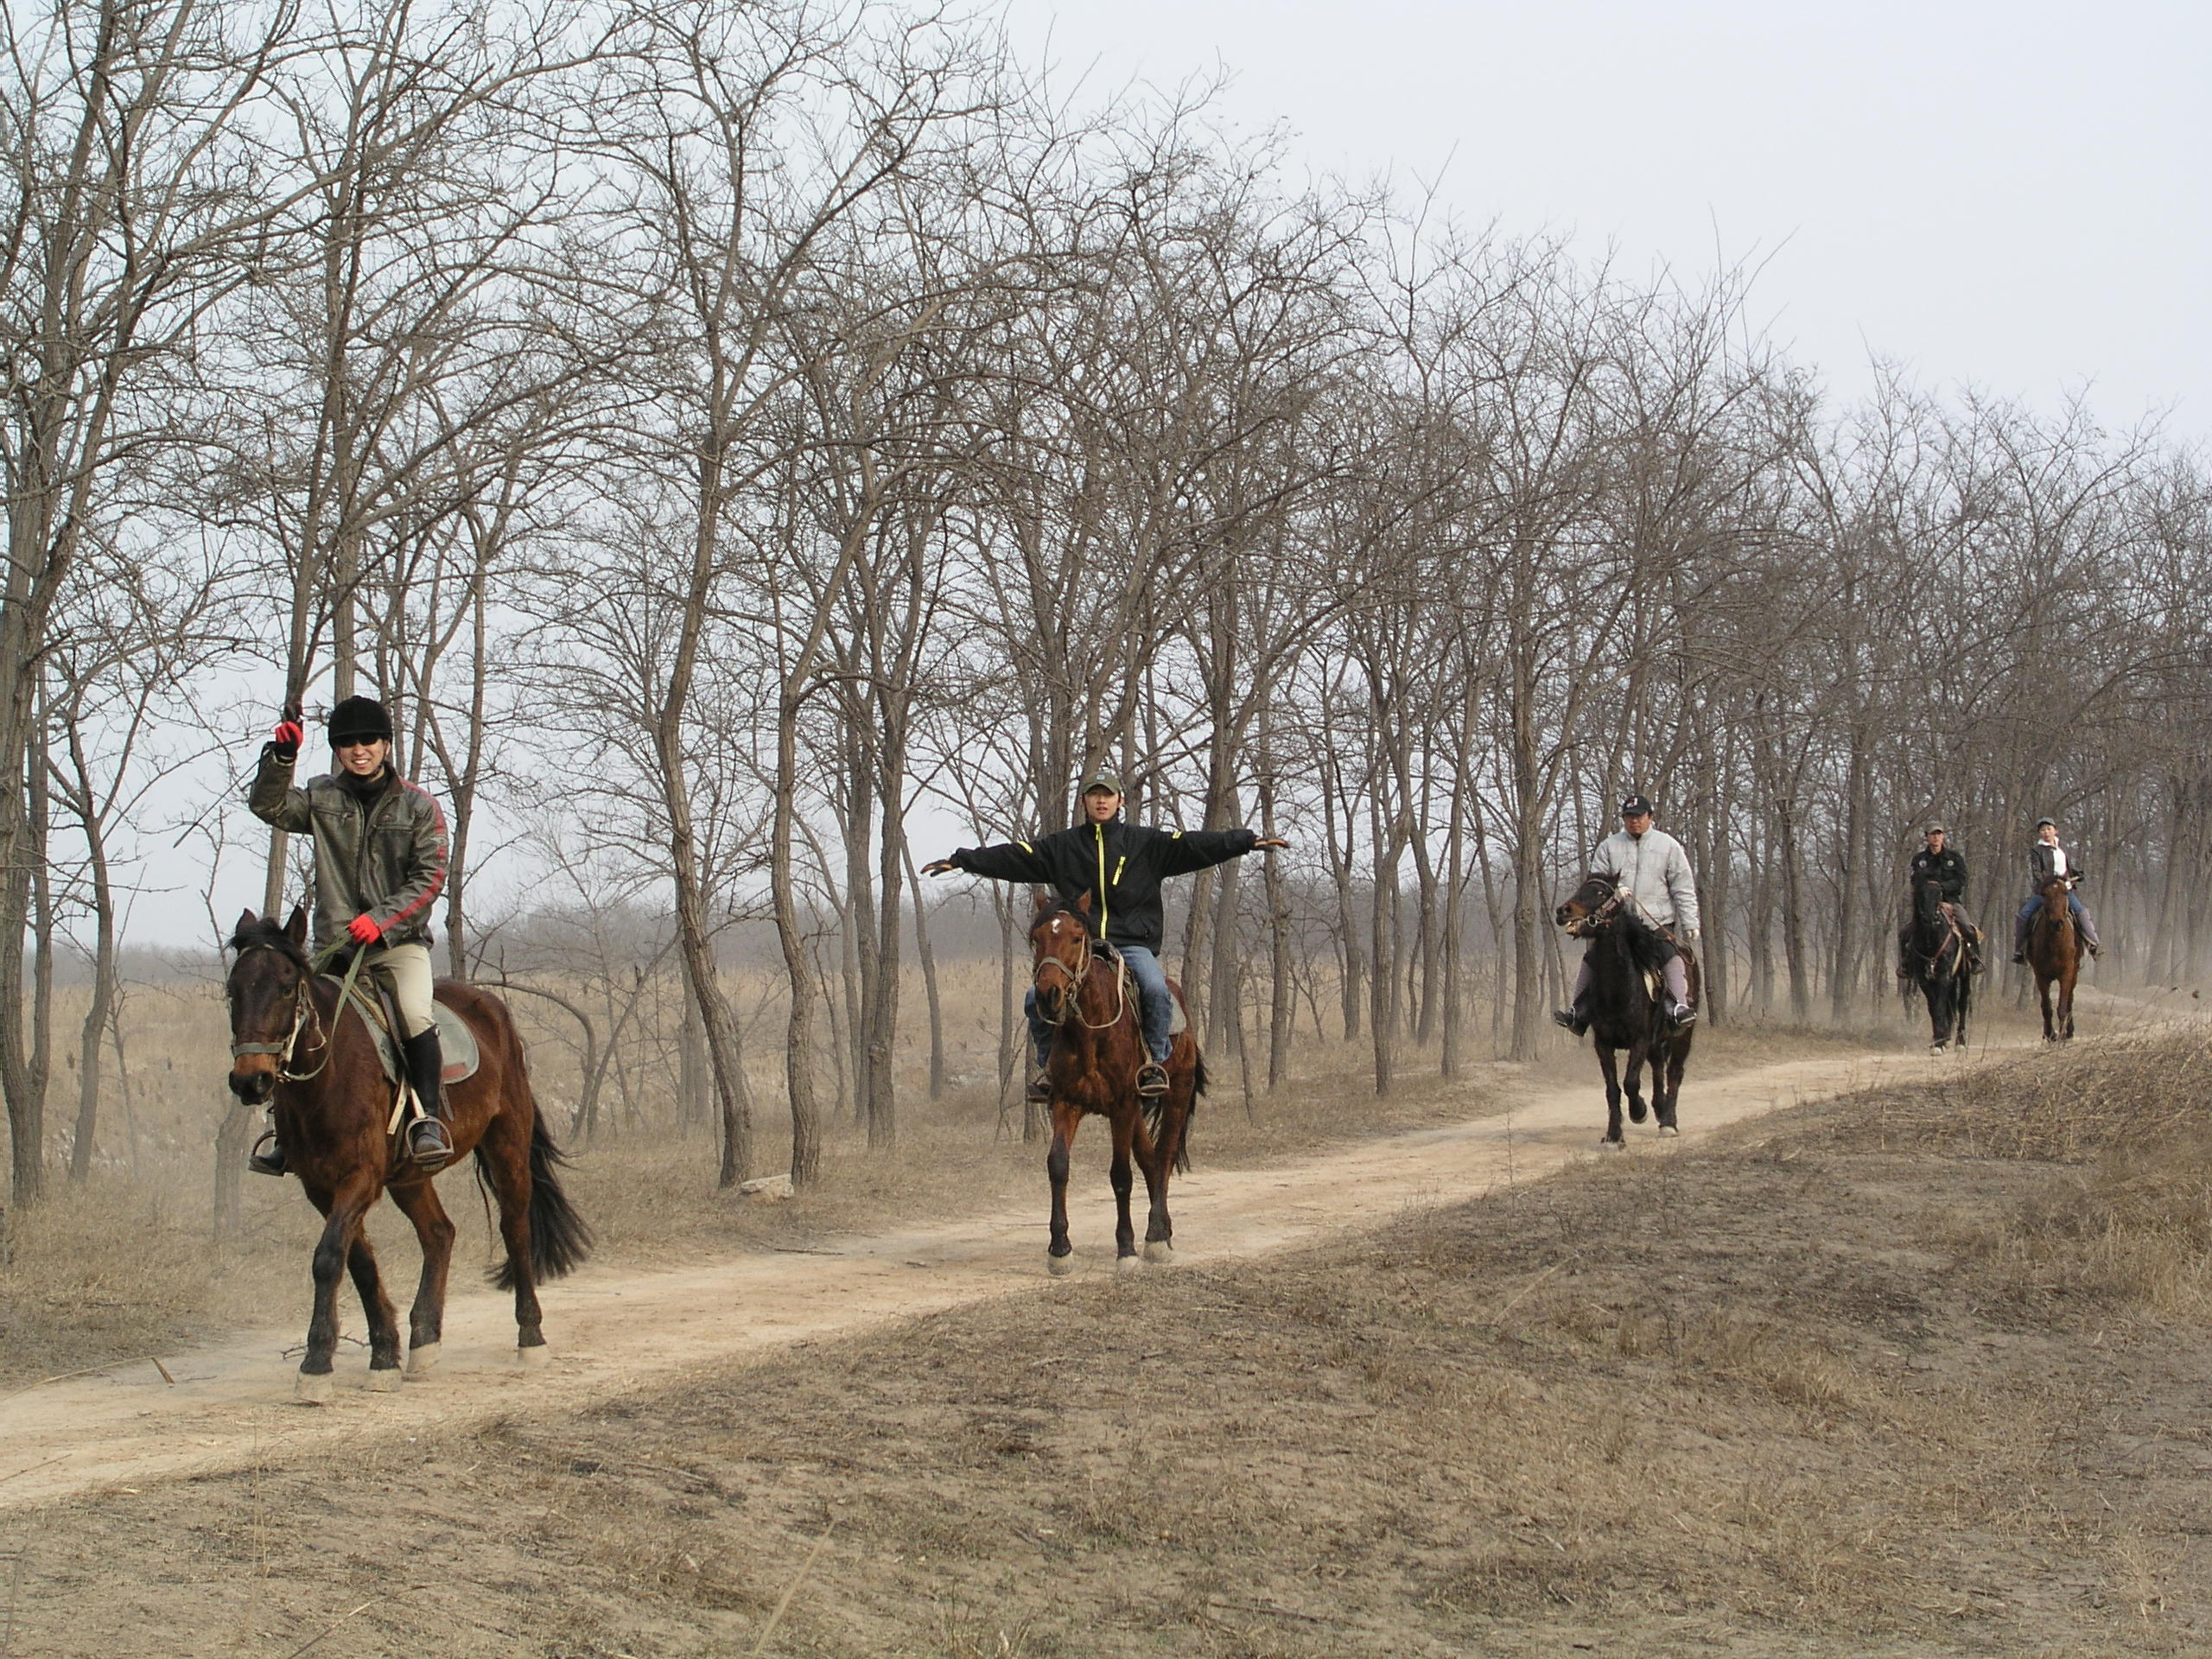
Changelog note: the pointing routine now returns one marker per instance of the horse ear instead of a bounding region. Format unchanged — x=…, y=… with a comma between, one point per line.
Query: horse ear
x=1083, y=903
x=296, y=929
x=246, y=919
x=1041, y=900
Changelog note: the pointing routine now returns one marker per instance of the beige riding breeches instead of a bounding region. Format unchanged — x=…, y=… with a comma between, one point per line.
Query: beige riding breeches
x=405, y=970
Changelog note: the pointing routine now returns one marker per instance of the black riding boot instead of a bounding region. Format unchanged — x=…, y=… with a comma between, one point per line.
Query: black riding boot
x=267, y=1157
x=427, y=1140
x=1575, y=1019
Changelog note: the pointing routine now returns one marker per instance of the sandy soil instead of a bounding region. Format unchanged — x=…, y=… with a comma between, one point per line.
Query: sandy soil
x=228, y=1406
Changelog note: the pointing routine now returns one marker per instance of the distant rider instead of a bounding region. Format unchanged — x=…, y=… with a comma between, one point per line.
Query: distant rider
x=379, y=863
x=1654, y=871
x=2047, y=860
x=1937, y=861
x=1120, y=865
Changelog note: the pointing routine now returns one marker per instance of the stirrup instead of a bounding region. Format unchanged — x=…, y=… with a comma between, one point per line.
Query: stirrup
x=1152, y=1079
x=1681, y=1015
x=428, y=1142
x=1039, y=1088
x=1571, y=1019
x=270, y=1162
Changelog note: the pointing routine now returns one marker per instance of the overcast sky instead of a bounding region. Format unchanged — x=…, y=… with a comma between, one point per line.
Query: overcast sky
x=2013, y=195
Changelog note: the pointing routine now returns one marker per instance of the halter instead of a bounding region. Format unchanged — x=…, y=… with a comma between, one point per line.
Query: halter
x=1597, y=920
x=303, y=1012
x=1075, y=976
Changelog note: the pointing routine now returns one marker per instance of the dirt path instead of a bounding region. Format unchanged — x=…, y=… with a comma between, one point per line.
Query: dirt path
x=229, y=1405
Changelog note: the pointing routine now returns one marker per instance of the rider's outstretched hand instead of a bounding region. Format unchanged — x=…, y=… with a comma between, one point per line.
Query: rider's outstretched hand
x=938, y=866
x=1270, y=842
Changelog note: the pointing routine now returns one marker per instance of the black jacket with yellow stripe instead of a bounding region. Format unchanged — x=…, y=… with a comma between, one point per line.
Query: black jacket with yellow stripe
x=1120, y=865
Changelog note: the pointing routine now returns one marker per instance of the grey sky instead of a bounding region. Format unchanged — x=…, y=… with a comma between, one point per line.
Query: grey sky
x=2010, y=195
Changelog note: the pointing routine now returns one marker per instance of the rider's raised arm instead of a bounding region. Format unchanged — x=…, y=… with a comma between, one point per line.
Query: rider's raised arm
x=1182, y=852
x=1009, y=861
x=272, y=798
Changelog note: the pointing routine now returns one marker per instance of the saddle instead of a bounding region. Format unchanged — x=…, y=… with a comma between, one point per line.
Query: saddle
x=456, y=1042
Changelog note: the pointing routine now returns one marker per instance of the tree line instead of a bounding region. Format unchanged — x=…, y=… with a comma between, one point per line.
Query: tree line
x=722, y=431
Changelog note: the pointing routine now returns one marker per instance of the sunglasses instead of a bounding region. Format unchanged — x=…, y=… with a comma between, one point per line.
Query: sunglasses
x=355, y=743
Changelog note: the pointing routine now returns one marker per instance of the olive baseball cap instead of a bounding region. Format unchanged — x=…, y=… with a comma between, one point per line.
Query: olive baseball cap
x=1102, y=782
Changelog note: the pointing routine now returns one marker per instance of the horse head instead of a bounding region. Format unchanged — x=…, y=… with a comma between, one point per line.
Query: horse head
x=1059, y=951
x=267, y=989
x=1590, y=908
x=1927, y=901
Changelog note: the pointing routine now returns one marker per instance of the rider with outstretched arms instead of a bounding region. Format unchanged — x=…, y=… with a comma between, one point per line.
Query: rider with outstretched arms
x=2047, y=861
x=379, y=864
x=1119, y=866
x=1654, y=872
x=1939, y=861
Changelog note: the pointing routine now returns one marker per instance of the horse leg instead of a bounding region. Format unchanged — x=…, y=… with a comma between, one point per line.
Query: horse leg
x=1125, y=1120
x=504, y=1155
x=1157, y=1159
x=383, y=1323
x=1676, y=1057
x=342, y=1212
x=433, y=1230
x=1066, y=1120
x=2043, y=995
x=1632, y=1079
x=1612, y=1140
x=2066, y=1008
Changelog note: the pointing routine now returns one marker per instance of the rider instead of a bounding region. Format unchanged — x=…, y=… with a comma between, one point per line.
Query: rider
x=1120, y=865
x=1940, y=863
x=1654, y=871
x=2047, y=860
x=379, y=862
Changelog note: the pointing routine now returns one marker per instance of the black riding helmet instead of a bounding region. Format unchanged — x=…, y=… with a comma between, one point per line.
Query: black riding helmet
x=358, y=717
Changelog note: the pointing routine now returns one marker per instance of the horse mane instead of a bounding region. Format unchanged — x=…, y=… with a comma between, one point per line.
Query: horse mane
x=266, y=932
x=1646, y=949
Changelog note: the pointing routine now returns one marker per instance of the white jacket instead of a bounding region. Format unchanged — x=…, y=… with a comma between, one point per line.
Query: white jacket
x=1655, y=871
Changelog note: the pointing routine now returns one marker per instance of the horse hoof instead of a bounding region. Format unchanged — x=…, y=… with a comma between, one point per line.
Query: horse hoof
x=312, y=1390
x=1668, y=1131
x=1060, y=1266
x=1127, y=1266
x=534, y=1358
x=422, y=1358
x=385, y=1381
x=1611, y=1145
x=1159, y=1250
x=1636, y=1112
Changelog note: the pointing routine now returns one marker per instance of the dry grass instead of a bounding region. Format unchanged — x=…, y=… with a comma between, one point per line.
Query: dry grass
x=1799, y=1395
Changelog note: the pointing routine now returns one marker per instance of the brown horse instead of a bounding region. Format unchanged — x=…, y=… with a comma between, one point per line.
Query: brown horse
x=1624, y=953
x=2054, y=957
x=1092, y=1070
x=334, y=1107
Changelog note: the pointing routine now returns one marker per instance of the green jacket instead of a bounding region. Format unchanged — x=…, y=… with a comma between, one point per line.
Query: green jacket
x=387, y=862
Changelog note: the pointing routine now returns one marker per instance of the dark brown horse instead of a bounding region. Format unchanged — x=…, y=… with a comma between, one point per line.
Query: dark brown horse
x=2054, y=957
x=1626, y=956
x=334, y=1108
x=1935, y=953
x=1093, y=1071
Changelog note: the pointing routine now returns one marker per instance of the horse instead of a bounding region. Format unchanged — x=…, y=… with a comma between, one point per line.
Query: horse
x=1935, y=952
x=291, y=1041
x=1092, y=1071
x=2054, y=957
x=1627, y=957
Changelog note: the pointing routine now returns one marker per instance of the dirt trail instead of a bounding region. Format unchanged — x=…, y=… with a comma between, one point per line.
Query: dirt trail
x=230, y=1404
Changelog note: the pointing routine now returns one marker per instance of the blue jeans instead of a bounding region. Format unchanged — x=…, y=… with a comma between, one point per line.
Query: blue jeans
x=1155, y=1008
x=2026, y=919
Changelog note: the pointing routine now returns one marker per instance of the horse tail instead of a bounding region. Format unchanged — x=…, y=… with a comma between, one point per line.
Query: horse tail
x=560, y=1239
x=1155, y=1116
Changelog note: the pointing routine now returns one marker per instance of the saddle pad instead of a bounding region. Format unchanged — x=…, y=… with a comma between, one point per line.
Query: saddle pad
x=456, y=1042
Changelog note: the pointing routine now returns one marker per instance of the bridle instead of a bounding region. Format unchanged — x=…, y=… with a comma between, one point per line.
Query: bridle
x=1598, y=919
x=304, y=1015
x=1070, y=1007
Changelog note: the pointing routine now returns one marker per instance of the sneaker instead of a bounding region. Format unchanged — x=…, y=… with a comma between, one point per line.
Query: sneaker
x=267, y=1157
x=428, y=1142
x=2019, y=958
x=1572, y=1019
x=1039, y=1087
x=1681, y=1015
x=1152, y=1079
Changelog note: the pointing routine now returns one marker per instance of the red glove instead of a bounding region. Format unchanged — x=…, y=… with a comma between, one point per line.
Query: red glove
x=287, y=739
x=364, y=929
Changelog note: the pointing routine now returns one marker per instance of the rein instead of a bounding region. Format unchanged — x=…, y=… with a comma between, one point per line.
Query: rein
x=1076, y=978
x=302, y=1008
